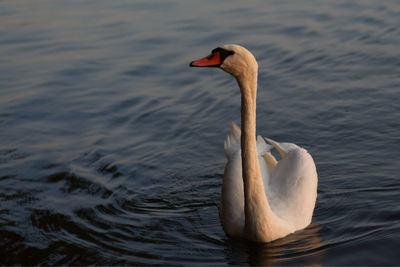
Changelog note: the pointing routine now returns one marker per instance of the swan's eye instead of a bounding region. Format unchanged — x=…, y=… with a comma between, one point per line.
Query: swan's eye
x=222, y=53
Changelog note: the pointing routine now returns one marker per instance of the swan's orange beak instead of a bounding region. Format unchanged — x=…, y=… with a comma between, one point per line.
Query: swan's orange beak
x=212, y=60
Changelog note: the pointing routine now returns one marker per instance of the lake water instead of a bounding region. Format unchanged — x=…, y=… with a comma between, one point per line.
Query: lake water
x=111, y=147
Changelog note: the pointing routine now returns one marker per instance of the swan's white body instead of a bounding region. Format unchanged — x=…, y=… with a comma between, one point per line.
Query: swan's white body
x=289, y=185
x=263, y=199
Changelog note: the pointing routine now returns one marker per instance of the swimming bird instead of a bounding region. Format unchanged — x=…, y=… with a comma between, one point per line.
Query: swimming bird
x=263, y=198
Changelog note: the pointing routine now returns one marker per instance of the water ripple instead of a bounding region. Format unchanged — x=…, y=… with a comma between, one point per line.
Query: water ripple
x=111, y=148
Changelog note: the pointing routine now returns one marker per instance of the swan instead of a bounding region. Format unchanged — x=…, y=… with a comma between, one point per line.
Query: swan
x=262, y=199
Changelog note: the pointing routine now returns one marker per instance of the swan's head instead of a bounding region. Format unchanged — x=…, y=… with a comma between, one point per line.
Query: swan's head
x=234, y=59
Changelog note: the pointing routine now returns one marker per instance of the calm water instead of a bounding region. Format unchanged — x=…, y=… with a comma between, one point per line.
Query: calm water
x=111, y=147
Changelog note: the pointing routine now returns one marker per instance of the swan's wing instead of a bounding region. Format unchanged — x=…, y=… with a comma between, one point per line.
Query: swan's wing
x=282, y=148
x=232, y=195
x=232, y=142
x=262, y=146
x=292, y=190
x=265, y=154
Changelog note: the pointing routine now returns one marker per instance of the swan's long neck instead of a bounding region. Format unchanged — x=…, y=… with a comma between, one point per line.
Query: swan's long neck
x=257, y=209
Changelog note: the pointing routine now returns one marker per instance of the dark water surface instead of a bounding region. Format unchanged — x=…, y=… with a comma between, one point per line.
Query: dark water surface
x=111, y=147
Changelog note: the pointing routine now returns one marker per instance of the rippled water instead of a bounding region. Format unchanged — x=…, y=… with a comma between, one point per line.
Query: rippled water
x=111, y=147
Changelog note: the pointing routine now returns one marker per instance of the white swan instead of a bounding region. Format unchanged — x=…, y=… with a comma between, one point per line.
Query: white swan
x=262, y=199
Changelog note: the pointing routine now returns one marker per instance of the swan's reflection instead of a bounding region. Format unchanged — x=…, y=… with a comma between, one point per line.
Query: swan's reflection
x=304, y=247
